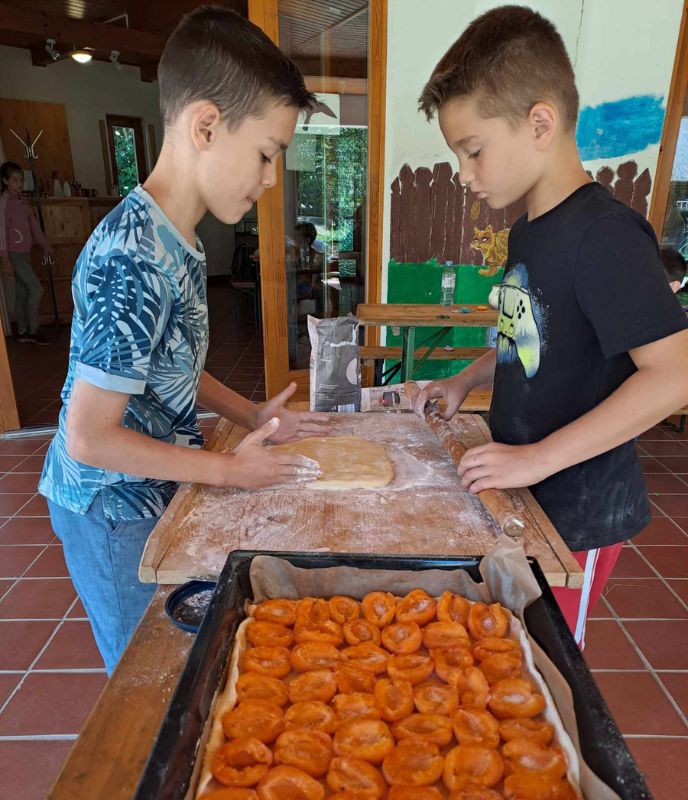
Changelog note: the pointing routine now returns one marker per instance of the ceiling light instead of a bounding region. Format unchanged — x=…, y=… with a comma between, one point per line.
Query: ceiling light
x=82, y=56
x=50, y=49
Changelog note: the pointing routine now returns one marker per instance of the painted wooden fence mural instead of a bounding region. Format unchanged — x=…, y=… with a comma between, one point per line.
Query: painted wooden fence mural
x=433, y=216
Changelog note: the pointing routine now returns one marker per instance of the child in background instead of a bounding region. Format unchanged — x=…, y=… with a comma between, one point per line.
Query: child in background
x=589, y=332
x=674, y=266
x=19, y=231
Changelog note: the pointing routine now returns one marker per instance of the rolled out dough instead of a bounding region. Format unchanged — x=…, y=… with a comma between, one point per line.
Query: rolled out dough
x=347, y=462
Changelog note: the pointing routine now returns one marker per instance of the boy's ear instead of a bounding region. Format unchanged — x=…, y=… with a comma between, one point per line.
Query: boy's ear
x=675, y=286
x=543, y=120
x=204, y=124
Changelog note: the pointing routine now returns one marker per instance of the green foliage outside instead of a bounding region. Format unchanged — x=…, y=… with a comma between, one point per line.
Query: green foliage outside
x=329, y=194
x=125, y=158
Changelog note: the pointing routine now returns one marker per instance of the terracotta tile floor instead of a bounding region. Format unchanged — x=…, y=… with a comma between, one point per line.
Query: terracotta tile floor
x=50, y=670
x=235, y=357
x=51, y=673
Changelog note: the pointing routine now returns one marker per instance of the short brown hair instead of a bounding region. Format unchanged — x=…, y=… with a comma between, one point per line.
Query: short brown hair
x=215, y=54
x=508, y=59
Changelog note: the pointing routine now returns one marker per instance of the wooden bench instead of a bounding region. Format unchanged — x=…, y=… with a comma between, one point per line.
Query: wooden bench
x=378, y=354
x=478, y=400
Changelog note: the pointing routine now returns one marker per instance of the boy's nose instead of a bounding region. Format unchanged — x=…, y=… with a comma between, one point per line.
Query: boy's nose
x=466, y=176
x=270, y=175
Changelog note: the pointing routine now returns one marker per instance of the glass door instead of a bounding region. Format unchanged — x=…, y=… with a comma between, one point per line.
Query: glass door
x=316, y=217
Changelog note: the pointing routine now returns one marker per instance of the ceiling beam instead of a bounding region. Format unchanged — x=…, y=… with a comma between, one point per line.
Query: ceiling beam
x=165, y=14
x=39, y=55
x=80, y=33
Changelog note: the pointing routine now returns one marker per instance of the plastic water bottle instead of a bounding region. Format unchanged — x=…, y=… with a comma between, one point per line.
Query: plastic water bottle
x=448, y=284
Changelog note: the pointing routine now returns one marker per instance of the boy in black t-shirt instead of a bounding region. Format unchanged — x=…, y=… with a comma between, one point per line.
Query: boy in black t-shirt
x=589, y=331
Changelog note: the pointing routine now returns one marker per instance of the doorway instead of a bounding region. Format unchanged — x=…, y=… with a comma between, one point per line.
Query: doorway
x=320, y=224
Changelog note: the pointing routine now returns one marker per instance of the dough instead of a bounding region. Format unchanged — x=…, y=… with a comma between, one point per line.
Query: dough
x=223, y=703
x=347, y=462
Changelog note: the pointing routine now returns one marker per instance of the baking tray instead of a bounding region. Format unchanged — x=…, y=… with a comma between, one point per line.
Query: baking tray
x=169, y=769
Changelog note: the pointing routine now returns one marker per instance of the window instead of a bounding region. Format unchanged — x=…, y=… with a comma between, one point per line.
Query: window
x=127, y=152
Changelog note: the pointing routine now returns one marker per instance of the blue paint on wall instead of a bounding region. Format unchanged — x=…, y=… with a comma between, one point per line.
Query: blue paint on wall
x=619, y=127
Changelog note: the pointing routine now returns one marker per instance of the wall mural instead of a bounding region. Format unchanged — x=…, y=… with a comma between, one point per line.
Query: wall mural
x=619, y=127
x=433, y=216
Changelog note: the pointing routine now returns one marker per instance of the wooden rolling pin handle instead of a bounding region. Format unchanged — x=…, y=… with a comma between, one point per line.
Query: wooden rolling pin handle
x=494, y=500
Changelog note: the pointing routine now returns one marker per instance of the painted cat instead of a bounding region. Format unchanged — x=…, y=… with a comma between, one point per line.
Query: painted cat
x=493, y=246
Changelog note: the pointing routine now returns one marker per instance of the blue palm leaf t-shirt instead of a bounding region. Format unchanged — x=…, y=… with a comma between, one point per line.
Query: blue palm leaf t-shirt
x=140, y=326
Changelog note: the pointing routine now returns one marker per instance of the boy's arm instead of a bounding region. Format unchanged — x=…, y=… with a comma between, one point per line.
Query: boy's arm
x=219, y=398
x=455, y=389
x=652, y=393
x=95, y=436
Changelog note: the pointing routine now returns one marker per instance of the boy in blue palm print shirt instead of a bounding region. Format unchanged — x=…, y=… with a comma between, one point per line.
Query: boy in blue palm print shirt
x=128, y=431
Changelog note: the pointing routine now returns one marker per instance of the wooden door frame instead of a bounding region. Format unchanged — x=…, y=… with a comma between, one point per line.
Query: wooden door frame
x=264, y=13
x=672, y=121
x=9, y=416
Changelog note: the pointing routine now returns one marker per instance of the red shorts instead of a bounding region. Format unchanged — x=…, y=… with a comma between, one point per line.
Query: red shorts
x=576, y=604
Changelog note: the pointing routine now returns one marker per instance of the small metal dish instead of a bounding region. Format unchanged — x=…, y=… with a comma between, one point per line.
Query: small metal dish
x=187, y=604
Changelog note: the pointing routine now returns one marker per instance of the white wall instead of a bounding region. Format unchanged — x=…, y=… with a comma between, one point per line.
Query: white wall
x=620, y=48
x=88, y=92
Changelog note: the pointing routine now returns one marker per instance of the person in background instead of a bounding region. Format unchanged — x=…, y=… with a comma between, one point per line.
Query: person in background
x=310, y=249
x=19, y=231
x=674, y=266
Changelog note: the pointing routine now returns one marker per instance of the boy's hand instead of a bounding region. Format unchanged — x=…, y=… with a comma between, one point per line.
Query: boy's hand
x=452, y=390
x=259, y=468
x=503, y=466
x=7, y=268
x=293, y=424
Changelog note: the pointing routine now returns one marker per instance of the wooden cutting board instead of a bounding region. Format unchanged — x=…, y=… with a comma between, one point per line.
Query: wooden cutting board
x=423, y=511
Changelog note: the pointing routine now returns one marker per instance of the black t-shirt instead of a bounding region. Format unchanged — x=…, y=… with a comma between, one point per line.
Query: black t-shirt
x=583, y=285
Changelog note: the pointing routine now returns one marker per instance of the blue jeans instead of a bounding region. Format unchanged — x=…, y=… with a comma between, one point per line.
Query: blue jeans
x=103, y=557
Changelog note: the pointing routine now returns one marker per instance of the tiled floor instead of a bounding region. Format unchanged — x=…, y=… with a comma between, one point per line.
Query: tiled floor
x=50, y=670
x=235, y=357
x=51, y=673
x=637, y=640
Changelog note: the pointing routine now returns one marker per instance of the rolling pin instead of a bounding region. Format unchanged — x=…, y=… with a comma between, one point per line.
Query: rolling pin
x=495, y=501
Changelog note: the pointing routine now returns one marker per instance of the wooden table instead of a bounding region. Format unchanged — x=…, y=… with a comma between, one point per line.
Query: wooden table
x=423, y=511
x=109, y=756
x=410, y=317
